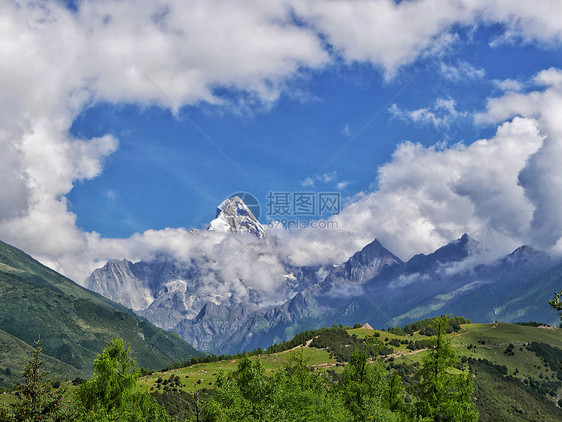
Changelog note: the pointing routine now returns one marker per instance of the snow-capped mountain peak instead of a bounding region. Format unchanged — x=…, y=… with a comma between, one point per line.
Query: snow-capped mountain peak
x=234, y=216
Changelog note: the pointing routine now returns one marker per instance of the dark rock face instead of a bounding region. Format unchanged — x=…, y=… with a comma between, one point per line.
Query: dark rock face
x=367, y=263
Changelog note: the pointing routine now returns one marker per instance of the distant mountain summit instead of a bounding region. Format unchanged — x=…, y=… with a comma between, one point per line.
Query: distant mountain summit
x=454, y=251
x=257, y=302
x=368, y=262
x=348, y=278
x=234, y=216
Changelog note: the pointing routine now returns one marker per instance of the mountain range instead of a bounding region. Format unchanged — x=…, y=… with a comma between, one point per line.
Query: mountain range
x=207, y=307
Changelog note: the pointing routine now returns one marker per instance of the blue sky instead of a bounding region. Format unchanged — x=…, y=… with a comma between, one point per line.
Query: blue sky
x=166, y=174
x=449, y=111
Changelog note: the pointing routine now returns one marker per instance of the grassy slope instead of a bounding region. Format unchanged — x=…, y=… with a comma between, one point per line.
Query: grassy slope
x=503, y=399
x=496, y=337
x=205, y=374
x=14, y=354
x=498, y=397
x=74, y=323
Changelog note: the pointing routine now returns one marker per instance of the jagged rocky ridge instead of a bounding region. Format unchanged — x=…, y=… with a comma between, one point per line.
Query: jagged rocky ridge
x=215, y=315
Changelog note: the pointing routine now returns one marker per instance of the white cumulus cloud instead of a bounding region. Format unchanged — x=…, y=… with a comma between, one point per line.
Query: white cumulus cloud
x=541, y=178
x=56, y=62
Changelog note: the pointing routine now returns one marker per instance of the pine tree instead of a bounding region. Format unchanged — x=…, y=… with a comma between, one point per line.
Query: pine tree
x=36, y=401
x=443, y=395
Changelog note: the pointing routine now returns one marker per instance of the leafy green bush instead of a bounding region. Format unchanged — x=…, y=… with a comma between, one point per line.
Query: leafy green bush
x=108, y=396
x=293, y=393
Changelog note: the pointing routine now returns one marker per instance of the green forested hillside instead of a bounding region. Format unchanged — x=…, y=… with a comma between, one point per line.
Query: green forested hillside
x=496, y=372
x=514, y=375
x=17, y=262
x=14, y=354
x=73, y=323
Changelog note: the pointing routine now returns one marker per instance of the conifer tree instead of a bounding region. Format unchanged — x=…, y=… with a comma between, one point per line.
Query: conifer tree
x=35, y=400
x=443, y=395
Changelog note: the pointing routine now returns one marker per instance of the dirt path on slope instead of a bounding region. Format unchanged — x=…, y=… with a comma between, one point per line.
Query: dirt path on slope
x=300, y=346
